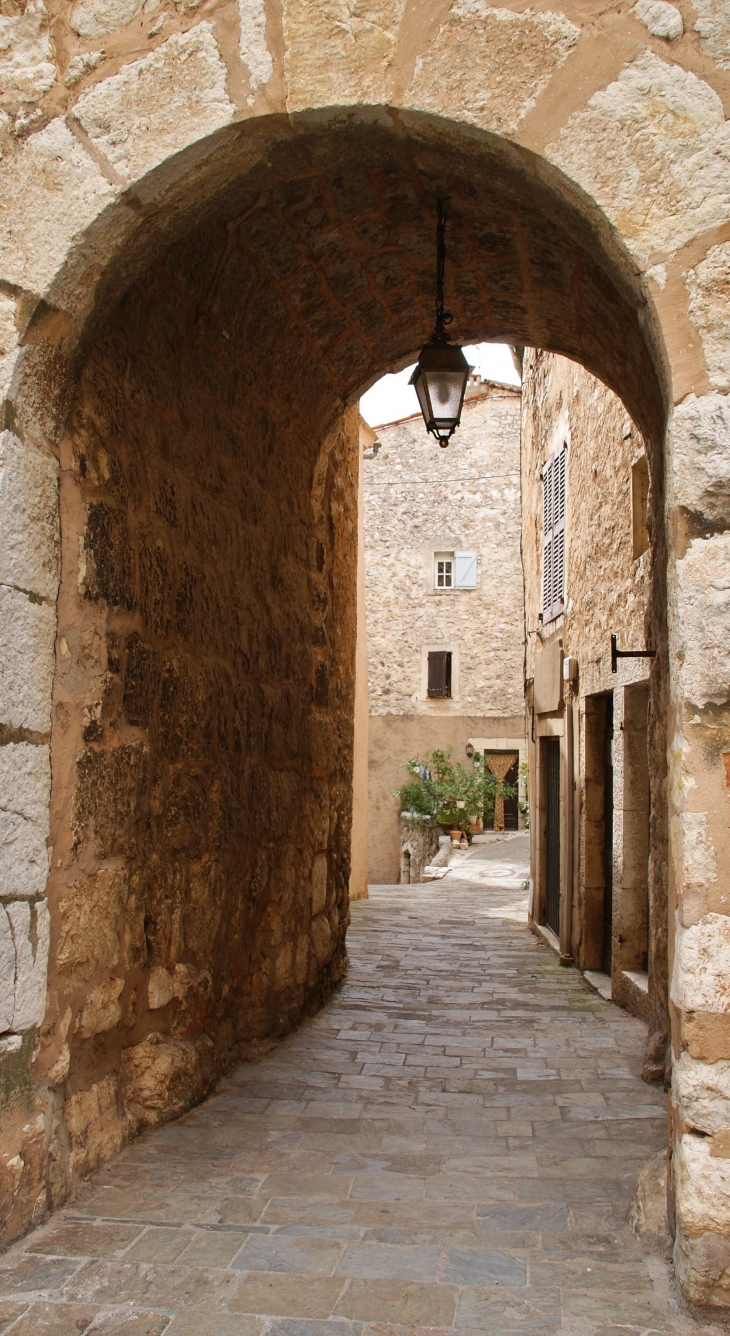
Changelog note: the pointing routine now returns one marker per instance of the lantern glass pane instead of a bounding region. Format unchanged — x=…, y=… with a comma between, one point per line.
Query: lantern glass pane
x=420, y=388
x=445, y=389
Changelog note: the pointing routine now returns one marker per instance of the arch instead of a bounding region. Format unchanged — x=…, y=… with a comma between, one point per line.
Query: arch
x=194, y=367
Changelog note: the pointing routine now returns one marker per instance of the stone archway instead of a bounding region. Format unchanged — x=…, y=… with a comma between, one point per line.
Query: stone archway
x=321, y=221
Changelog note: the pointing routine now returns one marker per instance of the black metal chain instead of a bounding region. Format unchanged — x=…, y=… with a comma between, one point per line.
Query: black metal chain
x=443, y=317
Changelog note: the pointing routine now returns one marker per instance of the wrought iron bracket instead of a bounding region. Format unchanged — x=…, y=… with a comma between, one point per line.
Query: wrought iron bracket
x=617, y=654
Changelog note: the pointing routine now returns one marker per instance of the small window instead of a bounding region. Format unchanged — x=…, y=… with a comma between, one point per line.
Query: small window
x=444, y=570
x=639, y=503
x=455, y=570
x=439, y=674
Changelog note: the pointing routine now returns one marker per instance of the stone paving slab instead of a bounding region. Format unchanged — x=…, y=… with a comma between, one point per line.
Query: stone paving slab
x=449, y=1148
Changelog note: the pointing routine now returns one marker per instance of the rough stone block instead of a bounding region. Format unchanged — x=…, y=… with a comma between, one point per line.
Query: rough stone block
x=702, y=1187
x=51, y=191
x=321, y=935
x=709, y=306
x=29, y=534
x=93, y=18
x=90, y=914
x=160, y=989
x=101, y=1010
x=701, y=617
x=26, y=55
x=701, y=975
x=702, y=1092
x=163, y=1076
x=319, y=884
x=654, y=150
x=27, y=634
x=111, y=786
x=713, y=25
x=700, y=445
x=517, y=56
x=96, y=1132
x=337, y=54
x=31, y=929
x=156, y=106
x=661, y=19
x=25, y=786
x=252, y=45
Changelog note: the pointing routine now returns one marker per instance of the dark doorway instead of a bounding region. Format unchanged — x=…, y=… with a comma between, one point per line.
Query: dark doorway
x=607, y=951
x=552, y=777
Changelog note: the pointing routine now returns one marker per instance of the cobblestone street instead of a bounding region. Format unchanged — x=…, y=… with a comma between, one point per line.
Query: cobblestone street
x=450, y=1146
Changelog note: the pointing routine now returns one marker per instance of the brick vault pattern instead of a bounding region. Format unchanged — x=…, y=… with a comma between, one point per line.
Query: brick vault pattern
x=276, y=165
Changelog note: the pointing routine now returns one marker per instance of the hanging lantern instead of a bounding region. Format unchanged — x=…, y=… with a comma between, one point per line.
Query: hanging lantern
x=442, y=372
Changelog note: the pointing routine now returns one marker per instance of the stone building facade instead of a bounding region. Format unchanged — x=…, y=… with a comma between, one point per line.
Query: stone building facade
x=276, y=167
x=421, y=506
x=589, y=726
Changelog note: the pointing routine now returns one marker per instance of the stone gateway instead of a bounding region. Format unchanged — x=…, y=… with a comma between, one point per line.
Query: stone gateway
x=216, y=230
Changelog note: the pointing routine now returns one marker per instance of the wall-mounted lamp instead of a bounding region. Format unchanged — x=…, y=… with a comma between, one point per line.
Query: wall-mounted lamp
x=469, y=750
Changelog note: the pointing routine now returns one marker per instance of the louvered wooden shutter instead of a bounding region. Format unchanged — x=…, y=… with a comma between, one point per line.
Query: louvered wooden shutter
x=554, y=484
x=437, y=672
x=466, y=570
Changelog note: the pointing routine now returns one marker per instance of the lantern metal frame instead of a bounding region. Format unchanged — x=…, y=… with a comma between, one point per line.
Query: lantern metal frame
x=440, y=357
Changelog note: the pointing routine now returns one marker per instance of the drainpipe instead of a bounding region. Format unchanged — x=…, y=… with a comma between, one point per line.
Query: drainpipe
x=570, y=675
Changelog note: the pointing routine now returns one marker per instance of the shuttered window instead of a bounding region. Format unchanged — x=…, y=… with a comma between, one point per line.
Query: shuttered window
x=466, y=570
x=554, y=478
x=439, y=673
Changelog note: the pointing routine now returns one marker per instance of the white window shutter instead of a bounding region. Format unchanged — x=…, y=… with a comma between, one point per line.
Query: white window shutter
x=466, y=570
x=547, y=541
x=554, y=487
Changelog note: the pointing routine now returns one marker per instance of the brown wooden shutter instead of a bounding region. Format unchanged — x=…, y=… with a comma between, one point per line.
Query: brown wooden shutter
x=439, y=667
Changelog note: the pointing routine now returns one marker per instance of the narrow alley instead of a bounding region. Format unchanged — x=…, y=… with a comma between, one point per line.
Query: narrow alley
x=451, y=1144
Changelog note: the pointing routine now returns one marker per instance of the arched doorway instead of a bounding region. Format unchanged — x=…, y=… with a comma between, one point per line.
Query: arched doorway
x=201, y=406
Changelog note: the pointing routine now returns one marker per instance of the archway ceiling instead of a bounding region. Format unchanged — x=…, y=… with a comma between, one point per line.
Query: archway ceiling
x=320, y=253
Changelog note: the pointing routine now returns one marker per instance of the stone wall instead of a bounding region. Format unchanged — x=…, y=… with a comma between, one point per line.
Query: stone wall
x=607, y=592
x=201, y=742
x=418, y=500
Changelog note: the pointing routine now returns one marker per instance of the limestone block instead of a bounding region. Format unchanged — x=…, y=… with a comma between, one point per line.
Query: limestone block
x=701, y=617
x=698, y=857
x=7, y=972
x=709, y=307
x=29, y=529
x=653, y=149
x=25, y=787
x=702, y=1092
x=163, y=1076
x=713, y=25
x=93, y=18
x=700, y=445
x=701, y=974
x=161, y=988
x=96, y=1132
x=339, y=53
x=26, y=55
x=89, y=929
x=321, y=935
x=50, y=190
x=101, y=1010
x=156, y=106
x=488, y=65
x=662, y=19
x=319, y=884
x=253, y=49
x=702, y=1187
x=31, y=929
x=27, y=634
x=81, y=65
